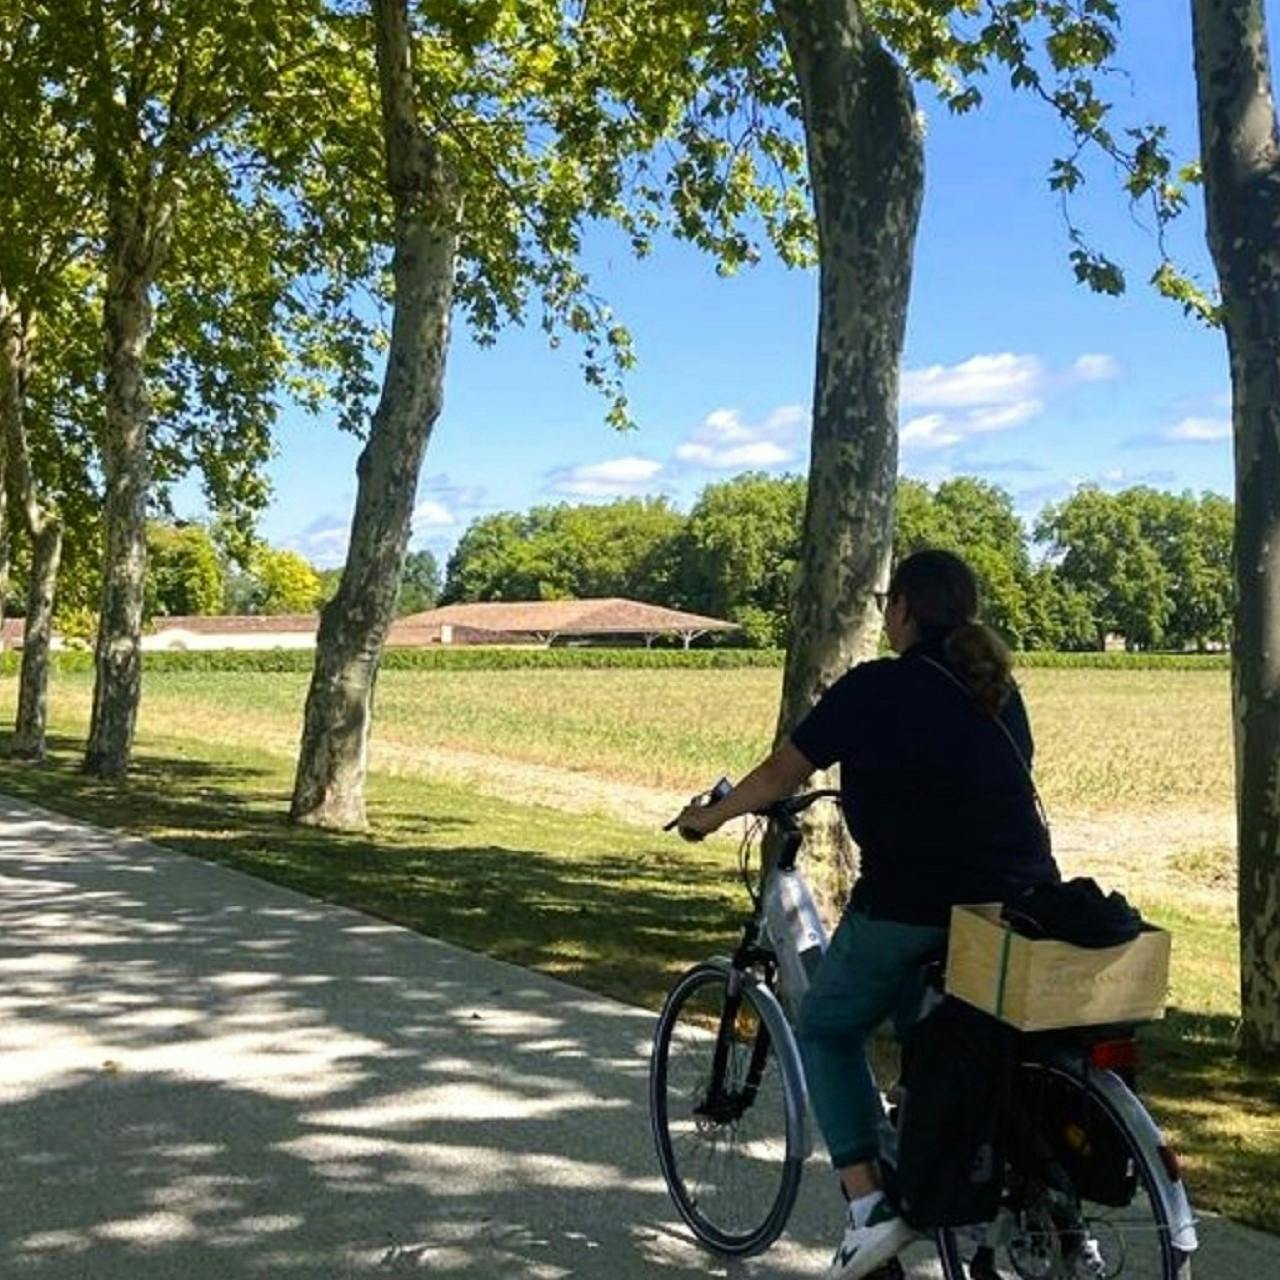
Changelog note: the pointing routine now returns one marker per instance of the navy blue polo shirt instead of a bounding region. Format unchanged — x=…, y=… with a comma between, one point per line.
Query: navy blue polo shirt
x=933, y=793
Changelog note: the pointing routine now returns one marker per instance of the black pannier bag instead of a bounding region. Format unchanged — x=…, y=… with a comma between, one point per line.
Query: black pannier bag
x=1082, y=1138
x=952, y=1117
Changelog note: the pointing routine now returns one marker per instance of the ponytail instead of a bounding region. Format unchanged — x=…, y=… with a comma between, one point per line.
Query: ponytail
x=983, y=662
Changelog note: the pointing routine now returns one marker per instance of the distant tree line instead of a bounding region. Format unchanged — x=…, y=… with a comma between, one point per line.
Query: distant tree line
x=191, y=572
x=1150, y=567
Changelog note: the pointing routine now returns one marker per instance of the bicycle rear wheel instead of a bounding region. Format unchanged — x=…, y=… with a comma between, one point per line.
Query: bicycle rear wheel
x=727, y=1124
x=1072, y=1211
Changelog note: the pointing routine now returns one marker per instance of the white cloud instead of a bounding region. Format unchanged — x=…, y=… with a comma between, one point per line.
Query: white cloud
x=757, y=453
x=1119, y=478
x=723, y=441
x=1002, y=417
x=431, y=514
x=943, y=430
x=323, y=541
x=455, y=497
x=786, y=418
x=1199, y=431
x=979, y=381
x=990, y=392
x=929, y=432
x=614, y=478
x=1095, y=367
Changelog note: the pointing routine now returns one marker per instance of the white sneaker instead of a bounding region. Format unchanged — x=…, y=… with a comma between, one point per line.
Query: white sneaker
x=1089, y=1262
x=865, y=1248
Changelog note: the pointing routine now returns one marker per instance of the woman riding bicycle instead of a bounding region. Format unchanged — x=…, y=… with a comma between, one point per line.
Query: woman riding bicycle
x=934, y=751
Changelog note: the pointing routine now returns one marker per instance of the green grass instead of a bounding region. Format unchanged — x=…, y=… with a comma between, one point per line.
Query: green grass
x=1107, y=741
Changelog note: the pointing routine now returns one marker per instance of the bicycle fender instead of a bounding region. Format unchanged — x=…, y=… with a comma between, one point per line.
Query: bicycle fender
x=1128, y=1109
x=784, y=1039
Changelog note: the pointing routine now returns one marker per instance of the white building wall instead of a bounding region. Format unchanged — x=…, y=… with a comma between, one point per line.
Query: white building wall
x=175, y=638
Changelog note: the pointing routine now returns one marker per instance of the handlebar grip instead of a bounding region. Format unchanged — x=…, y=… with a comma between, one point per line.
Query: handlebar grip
x=718, y=792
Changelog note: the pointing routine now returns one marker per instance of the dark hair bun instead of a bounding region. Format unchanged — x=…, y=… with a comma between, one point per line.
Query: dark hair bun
x=982, y=660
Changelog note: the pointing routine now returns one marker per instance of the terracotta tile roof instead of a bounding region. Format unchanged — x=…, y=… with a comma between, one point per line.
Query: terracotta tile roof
x=611, y=616
x=237, y=623
x=410, y=631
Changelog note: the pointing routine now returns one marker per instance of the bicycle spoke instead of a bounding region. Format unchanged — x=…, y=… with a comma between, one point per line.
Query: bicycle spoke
x=726, y=1146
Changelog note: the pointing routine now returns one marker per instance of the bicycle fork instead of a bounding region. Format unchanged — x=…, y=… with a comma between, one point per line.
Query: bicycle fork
x=724, y=1102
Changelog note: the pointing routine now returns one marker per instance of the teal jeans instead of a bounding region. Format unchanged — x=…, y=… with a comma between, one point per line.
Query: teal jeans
x=870, y=972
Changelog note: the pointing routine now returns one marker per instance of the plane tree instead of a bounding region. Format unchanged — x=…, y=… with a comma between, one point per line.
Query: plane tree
x=504, y=132
x=1240, y=154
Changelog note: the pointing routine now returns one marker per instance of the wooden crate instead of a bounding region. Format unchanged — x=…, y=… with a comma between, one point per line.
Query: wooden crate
x=1037, y=985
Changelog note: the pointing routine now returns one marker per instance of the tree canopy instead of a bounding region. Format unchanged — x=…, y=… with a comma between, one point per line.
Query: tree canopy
x=184, y=575
x=623, y=548
x=419, y=584
x=1150, y=567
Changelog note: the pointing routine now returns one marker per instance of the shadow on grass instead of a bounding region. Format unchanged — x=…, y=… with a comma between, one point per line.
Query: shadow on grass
x=1222, y=1116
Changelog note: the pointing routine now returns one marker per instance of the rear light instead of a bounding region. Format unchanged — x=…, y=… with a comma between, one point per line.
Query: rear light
x=1169, y=1158
x=1114, y=1055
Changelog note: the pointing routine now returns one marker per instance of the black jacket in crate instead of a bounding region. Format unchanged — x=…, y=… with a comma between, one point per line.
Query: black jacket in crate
x=952, y=1120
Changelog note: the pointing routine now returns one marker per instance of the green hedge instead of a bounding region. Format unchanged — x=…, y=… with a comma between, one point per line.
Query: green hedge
x=1127, y=661
x=72, y=662
x=479, y=658
x=482, y=658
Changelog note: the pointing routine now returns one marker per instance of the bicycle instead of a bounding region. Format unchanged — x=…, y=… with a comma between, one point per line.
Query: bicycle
x=729, y=1113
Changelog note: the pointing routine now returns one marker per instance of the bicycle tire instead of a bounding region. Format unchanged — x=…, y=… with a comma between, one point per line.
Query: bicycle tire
x=1160, y=1259
x=744, y=1210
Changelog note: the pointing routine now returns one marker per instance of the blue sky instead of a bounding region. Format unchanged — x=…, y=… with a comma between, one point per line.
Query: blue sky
x=1012, y=371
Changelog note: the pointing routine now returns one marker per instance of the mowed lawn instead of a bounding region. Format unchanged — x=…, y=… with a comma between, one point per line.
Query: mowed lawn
x=620, y=909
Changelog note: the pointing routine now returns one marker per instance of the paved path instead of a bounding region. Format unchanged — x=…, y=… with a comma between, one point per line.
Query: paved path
x=206, y=1077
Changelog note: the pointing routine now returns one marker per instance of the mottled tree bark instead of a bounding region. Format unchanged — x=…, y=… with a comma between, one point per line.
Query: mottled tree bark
x=332, y=763
x=10, y=404
x=138, y=237
x=866, y=166
x=1240, y=150
x=43, y=527
x=33, y=688
x=9, y=397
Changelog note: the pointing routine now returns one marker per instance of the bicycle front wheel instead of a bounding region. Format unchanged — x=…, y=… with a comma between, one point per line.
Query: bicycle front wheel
x=726, y=1120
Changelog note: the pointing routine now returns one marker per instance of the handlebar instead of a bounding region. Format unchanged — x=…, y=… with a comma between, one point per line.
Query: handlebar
x=783, y=812
x=787, y=810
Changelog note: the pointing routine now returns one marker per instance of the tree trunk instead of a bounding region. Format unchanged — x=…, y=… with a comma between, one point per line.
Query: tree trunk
x=1240, y=150
x=44, y=529
x=33, y=688
x=136, y=249
x=10, y=404
x=866, y=166
x=6, y=543
x=332, y=762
